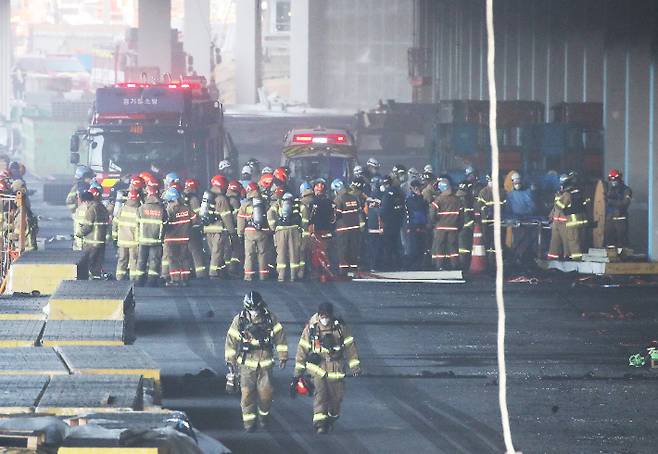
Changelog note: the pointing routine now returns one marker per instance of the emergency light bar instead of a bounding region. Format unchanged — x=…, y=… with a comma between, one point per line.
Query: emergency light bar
x=337, y=139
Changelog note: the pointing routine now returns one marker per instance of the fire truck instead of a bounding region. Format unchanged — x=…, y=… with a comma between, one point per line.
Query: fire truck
x=175, y=127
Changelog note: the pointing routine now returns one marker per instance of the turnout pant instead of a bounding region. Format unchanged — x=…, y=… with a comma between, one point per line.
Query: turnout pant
x=237, y=255
x=256, y=388
x=349, y=243
x=220, y=252
x=93, y=256
x=288, y=245
x=327, y=398
x=616, y=232
x=445, y=248
x=256, y=252
x=178, y=264
x=127, y=260
x=149, y=262
x=565, y=242
x=465, y=246
x=195, y=247
x=488, y=242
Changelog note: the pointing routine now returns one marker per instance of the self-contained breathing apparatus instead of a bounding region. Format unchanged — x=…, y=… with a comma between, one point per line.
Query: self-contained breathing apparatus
x=261, y=333
x=326, y=342
x=204, y=210
x=118, y=204
x=259, y=216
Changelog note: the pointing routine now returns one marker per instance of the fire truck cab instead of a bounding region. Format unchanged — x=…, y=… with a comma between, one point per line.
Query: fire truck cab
x=172, y=126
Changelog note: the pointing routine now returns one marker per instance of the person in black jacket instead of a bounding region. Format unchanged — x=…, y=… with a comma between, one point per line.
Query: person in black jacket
x=392, y=215
x=416, y=213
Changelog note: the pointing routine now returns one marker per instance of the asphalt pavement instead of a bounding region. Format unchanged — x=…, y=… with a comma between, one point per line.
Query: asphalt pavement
x=428, y=353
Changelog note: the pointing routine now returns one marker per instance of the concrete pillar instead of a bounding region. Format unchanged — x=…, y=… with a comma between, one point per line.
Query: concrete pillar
x=303, y=36
x=247, y=51
x=5, y=56
x=154, y=34
x=196, y=34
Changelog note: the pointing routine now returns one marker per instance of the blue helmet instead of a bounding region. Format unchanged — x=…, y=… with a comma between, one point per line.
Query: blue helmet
x=443, y=185
x=171, y=195
x=171, y=178
x=95, y=184
x=305, y=186
x=337, y=185
x=82, y=172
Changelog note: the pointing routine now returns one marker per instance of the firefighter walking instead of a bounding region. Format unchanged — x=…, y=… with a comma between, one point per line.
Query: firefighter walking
x=326, y=344
x=284, y=218
x=254, y=335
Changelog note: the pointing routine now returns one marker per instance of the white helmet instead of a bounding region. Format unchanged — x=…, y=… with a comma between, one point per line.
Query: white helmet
x=225, y=164
x=428, y=169
x=266, y=169
x=469, y=170
x=357, y=171
x=515, y=176
x=246, y=169
x=372, y=162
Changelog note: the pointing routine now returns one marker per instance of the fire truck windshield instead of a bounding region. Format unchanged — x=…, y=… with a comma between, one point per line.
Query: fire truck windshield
x=132, y=157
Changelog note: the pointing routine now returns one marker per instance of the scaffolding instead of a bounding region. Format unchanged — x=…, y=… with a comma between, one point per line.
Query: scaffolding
x=13, y=228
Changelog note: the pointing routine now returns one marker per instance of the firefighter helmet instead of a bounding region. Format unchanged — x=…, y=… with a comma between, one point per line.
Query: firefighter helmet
x=81, y=172
x=305, y=186
x=280, y=174
x=266, y=180
x=152, y=189
x=219, y=182
x=515, y=176
x=614, y=175
x=337, y=185
x=235, y=186
x=171, y=178
x=357, y=171
x=171, y=195
x=399, y=169
x=373, y=162
x=4, y=186
x=253, y=301
x=191, y=185
x=95, y=191
x=225, y=164
x=133, y=194
x=428, y=168
x=251, y=186
x=137, y=182
x=303, y=387
x=279, y=190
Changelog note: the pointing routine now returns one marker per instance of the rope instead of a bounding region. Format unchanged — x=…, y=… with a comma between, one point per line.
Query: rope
x=500, y=301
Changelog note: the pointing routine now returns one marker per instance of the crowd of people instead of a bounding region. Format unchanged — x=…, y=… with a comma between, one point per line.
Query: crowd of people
x=261, y=225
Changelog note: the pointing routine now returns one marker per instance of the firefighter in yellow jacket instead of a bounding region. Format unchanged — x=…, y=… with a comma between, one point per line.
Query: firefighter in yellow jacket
x=220, y=228
x=285, y=219
x=252, y=338
x=93, y=231
x=127, y=237
x=348, y=228
x=568, y=220
x=325, y=346
x=253, y=226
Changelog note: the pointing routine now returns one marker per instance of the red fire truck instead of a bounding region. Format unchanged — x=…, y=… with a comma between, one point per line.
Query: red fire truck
x=175, y=127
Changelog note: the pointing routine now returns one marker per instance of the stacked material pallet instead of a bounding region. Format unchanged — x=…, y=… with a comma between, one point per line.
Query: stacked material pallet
x=603, y=261
x=91, y=313
x=21, y=320
x=42, y=271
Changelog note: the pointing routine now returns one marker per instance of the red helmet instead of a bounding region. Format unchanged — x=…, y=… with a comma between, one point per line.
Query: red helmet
x=280, y=174
x=4, y=186
x=191, y=185
x=266, y=180
x=133, y=194
x=614, y=174
x=147, y=176
x=137, y=182
x=320, y=186
x=303, y=387
x=94, y=191
x=177, y=186
x=152, y=189
x=251, y=187
x=235, y=186
x=220, y=182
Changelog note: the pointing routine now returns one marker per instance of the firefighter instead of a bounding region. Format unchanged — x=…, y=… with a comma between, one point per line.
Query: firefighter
x=321, y=224
x=568, y=220
x=348, y=229
x=484, y=213
x=445, y=218
x=520, y=206
x=428, y=192
x=83, y=176
x=253, y=227
x=392, y=216
x=177, y=230
x=245, y=175
x=220, y=228
x=305, y=201
x=150, y=222
x=93, y=232
x=326, y=344
x=127, y=237
x=195, y=246
x=465, y=240
x=265, y=184
x=416, y=209
x=285, y=219
x=618, y=197
x=31, y=221
x=253, y=336
x=399, y=175
x=234, y=192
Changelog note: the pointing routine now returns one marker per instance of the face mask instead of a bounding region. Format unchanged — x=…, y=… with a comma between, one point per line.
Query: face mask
x=253, y=314
x=614, y=183
x=382, y=188
x=324, y=321
x=517, y=186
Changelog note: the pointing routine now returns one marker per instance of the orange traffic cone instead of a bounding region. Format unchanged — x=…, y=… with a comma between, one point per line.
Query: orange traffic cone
x=478, y=256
